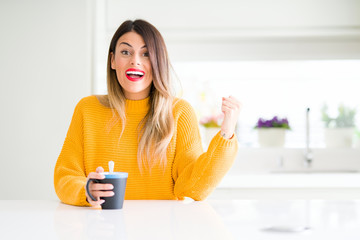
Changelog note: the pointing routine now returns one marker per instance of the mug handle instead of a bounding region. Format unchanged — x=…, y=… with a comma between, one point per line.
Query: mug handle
x=87, y=188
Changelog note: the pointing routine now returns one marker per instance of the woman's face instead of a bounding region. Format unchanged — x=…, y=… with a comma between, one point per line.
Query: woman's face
x=132, y=65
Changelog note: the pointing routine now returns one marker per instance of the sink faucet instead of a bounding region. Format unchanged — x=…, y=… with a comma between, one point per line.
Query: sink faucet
x=308, y=156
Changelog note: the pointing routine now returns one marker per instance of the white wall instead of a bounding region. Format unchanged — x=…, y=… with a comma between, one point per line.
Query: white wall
x=44, y=70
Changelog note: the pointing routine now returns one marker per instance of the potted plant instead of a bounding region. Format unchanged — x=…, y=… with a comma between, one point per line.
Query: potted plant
x=211, y=125
x=339, y=130
x=271, y=133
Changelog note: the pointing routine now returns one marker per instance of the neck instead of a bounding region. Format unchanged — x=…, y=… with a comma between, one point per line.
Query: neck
x=137, y=96
x=141, y=105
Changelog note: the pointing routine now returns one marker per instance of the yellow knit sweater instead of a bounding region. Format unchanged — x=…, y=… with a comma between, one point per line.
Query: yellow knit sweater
x=91, y=142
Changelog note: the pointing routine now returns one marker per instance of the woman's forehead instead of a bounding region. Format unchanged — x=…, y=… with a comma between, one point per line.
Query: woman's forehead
x=131, y=39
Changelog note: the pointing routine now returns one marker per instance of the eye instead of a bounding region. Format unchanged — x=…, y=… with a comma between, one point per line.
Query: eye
x=146, y=54
x=125, y=52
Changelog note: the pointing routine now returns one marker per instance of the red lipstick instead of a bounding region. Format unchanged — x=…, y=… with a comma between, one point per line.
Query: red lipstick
x=134, y=74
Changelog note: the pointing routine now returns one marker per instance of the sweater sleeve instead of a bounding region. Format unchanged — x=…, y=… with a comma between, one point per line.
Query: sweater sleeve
x=69, y=173
x=197, y=173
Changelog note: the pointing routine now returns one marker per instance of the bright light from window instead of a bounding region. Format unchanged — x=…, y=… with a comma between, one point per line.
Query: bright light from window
x=272, y=88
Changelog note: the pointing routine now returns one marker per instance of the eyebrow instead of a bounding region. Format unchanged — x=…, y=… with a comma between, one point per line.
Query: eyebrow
x=130, y=45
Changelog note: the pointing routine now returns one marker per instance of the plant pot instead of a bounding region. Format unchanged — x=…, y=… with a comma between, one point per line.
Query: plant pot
x=271, y=137
x=338, y=137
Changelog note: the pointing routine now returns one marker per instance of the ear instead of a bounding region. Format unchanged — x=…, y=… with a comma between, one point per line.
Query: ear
x=112, y=58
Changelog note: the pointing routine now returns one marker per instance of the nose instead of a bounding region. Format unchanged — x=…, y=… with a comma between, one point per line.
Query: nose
x=135, y=60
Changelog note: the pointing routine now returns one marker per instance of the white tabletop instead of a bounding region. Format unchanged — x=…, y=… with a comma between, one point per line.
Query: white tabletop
x=211, y=219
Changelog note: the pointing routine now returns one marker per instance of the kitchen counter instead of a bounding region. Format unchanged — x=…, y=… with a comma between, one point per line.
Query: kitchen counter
x=210, y=219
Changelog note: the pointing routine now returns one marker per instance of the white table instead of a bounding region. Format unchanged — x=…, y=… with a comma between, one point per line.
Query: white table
x=211, y=219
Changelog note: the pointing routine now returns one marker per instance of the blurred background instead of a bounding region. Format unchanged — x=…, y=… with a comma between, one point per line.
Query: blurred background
x=277, y=57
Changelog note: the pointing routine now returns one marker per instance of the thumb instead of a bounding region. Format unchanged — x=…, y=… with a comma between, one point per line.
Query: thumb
x=99, y=170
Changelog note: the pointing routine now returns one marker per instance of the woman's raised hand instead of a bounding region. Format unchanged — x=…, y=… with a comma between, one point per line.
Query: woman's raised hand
x=98, y=189
x=231, y=108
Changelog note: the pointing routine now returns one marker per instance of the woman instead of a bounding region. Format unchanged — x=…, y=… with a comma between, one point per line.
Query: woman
x=142, y=128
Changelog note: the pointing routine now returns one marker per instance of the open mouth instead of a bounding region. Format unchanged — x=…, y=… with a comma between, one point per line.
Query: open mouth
x=134, y=74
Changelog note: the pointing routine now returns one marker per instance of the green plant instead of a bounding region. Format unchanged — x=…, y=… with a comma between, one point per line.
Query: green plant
x=345, y=117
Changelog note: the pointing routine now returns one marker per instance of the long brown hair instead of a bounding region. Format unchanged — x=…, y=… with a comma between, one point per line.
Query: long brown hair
x=157, y=127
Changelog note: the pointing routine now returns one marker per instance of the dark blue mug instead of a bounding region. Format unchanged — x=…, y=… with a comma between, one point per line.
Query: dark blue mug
x=118, y=180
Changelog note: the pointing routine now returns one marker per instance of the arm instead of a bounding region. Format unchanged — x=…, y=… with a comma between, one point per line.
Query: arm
x=197, y=173
x=69, y=173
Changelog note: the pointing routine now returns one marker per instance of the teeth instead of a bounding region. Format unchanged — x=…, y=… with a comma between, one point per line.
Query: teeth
x=135, y=73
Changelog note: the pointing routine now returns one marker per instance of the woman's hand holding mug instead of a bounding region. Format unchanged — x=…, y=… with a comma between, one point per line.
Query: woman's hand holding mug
x=98, y=189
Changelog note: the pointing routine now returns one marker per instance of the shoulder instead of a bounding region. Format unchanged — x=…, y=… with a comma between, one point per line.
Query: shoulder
x=180, y=106
x=183, y=109
x=89, y=103
x=86, y=101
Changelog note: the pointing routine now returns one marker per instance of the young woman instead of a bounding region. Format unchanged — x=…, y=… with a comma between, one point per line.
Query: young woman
x=143, y=128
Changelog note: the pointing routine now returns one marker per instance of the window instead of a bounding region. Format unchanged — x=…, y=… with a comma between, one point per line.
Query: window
x=269, y=88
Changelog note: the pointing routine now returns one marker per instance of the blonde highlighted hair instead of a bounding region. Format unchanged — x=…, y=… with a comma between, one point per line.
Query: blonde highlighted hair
x=157, y=127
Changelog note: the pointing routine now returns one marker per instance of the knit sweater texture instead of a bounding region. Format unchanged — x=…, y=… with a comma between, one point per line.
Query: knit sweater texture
x=93, y=139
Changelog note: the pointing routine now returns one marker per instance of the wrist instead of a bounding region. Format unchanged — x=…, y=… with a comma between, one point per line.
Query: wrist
x=226, y=135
